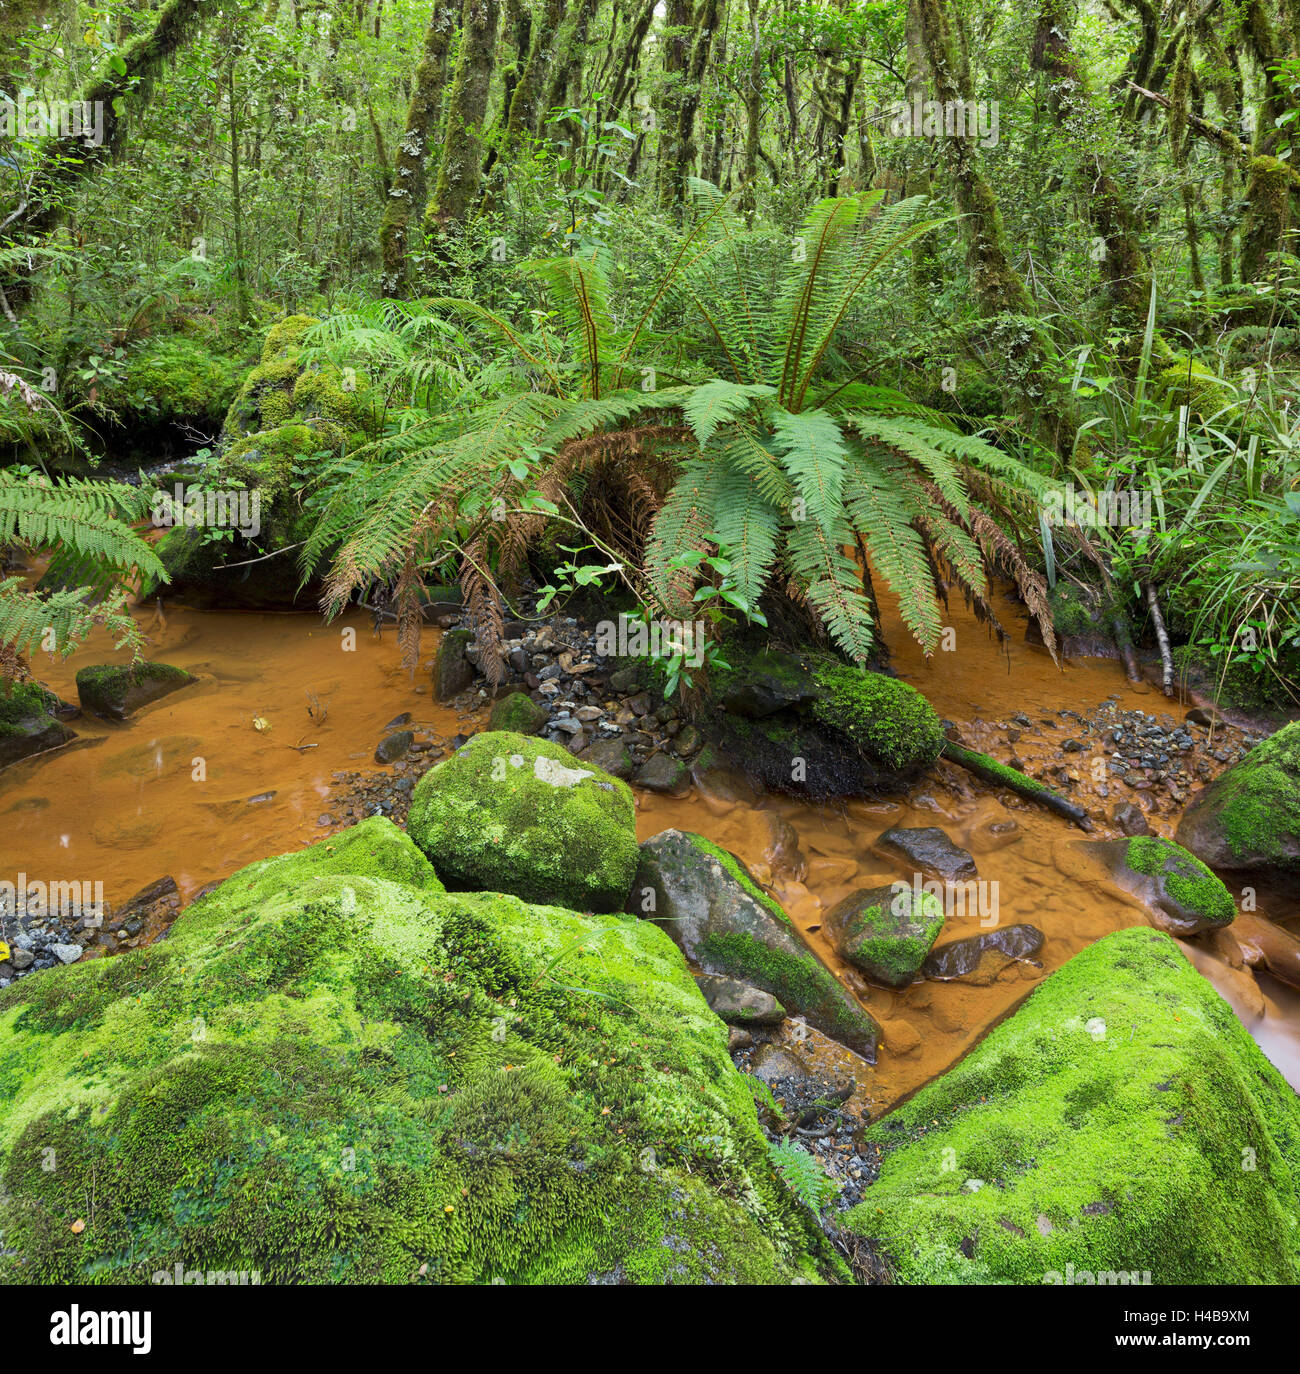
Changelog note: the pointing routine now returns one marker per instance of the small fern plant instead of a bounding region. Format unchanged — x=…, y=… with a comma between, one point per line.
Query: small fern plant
x=802, y=1174
x=87, y=527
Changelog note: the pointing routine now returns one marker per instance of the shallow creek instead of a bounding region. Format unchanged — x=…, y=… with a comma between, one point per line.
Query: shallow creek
x=281, y=708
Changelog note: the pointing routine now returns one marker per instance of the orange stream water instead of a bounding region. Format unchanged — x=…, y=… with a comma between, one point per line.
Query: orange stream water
x=123, y=806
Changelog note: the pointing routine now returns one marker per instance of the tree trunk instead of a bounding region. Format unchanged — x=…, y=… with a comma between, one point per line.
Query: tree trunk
x=55, y=174
x=706, y=25
x=410, y=186
x=461, y=168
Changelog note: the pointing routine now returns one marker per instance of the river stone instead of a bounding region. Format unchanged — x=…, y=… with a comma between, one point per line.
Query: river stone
x=1130, y=819
x=1181, y=894
x=518, y=713
x=27, y=724
x=513, y=813
x=726, y=925
x=886, y=932
x=772, y=681
x=1249, y=816
x=740, y=1004
x=66, y=954
x=1108, y=1119
x=980, y=958
x=663, y=773
x=929, y=851
x=394, y=746
x=112, y=693
x=531, y=1094
x=452, y=671
x=610, y=755
x=775, y=1063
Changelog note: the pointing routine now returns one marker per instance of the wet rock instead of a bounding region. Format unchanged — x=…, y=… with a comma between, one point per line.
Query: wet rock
x=66, y=954
x=625, y=680
x=395, y=746
x=398, y=722
x=663, y=773
x=886, y=932
x=1130, y=819
x=688, y=740
x=518, y=713
x=711, y=907
x=518, y=814
x=1179, y=892
x=929, y=851
x=980, y=958
x=774, y=1063
x=452, y=670
x=740, y=1004
x=160, y=901
x=27, y=722
x=112, y=693
x=612, y=755
x=1249, y=817
x=1124, y=1065
x=738, y=1039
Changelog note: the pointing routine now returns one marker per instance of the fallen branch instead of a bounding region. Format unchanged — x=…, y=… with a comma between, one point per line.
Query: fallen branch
x=1002, y=775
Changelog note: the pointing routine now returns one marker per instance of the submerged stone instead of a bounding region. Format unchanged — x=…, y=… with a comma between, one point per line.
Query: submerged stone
x=1123, y=1123
x=980, y=958
x=927, y=850
x=112, y=693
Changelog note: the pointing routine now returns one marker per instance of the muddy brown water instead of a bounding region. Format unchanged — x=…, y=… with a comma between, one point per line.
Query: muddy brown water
x=241, y=764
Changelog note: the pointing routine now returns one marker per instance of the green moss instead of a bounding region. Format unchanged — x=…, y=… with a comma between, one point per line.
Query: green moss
x=328, y=1076
x=510, y=813
x=889, y=949
x=1185, y=877
x=1189, y=383
x=175, y=376
x=23, y=703
x=887, y=719
x=1122, y=1120
x=1256, y=803
x=742, y=875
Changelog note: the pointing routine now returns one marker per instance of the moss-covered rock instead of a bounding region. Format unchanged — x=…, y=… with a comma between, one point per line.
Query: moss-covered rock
x=1249, y=816
x=333, y=1072
x=727, y=925
x=112, y=693
x=508, y=813
x=810, y=724
x=886, y=932
x=518, y=713
x=175, y=377
x=1122, y=1122
x=28, y=721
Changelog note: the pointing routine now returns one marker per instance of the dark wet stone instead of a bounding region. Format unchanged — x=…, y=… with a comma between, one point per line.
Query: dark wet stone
x=452, y=671
x=611, y=755
x=1130, y=819
x=394, y=747
x=929, y=851
x=983, y=956
x=663, y=773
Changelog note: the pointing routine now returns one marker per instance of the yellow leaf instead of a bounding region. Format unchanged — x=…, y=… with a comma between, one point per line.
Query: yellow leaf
x=78, y=1227
x=261, y=723
x=4, y=951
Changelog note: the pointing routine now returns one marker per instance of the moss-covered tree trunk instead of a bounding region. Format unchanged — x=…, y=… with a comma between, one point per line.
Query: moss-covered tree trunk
x=707, y=18
x=677, y=49
x=61, y=166
x=16, y=17
x=460, y=171
x=409, y=189
x=1125, y=271
x=997, y=287
x=753, y=99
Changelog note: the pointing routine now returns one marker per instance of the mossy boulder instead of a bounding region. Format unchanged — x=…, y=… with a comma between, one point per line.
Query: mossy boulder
x=1122, y=1123
x=175, y=377
x=728, y=926
x=886, y=932
x=518, y=713
x=334, y=1072
x=1249, y=816
x=811, y=725
x=509, y=813
x=1181, y=894
x=1186, y=382
x=112, y=693
x=29, y=721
